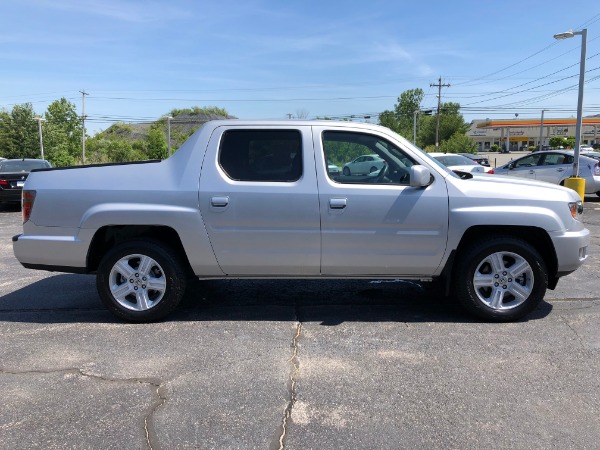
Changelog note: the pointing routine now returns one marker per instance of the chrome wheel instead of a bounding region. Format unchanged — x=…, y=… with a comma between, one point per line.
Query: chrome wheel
x=503, y=280
x=137, y=282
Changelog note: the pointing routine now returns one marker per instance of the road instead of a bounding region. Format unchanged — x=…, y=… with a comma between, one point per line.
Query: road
x=295, y=365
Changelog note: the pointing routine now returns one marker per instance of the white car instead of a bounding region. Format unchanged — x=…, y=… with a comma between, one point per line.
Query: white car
x=458, y=163
x=364, y=165
x=554, y=166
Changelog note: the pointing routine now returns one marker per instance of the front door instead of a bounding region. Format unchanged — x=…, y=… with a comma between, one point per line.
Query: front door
x=376, y=224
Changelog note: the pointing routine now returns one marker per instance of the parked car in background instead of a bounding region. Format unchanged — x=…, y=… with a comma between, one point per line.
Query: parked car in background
x=479, y=159
x=554, y=166
x=457, y=163
x=13, y=173
x=364, y=165
x=591, y=154
x=333, y=169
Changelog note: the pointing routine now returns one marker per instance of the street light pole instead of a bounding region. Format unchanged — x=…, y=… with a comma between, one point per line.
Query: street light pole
x=578, y=183
x=415, y=126
x=541, y=129
x=169, y=134
x=39, y=121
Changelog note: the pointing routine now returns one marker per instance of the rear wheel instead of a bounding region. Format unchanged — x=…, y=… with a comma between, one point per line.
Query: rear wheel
x=500, y=279
x=141, y=281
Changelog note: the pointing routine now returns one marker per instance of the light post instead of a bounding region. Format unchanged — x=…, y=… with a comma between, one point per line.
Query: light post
x=169, y=118
x=542, y=129
x=39, y=121
x=427, y=112
x=574, y=182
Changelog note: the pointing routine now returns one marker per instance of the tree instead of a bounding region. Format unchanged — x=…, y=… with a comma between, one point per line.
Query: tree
x=451, y=122
x=157, y=143
x=459, y=142
x=401, y=119
x=19, y=136
x=62, y=132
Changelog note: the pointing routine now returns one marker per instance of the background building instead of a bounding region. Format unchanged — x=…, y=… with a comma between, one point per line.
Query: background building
x=525, y=133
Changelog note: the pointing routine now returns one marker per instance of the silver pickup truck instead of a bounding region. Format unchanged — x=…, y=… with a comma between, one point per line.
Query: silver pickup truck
x=300, y=199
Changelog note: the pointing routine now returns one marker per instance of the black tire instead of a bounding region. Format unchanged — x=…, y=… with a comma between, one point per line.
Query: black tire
x=141, y=281
x=373, y=169
x=346, y=171
x=511, y=278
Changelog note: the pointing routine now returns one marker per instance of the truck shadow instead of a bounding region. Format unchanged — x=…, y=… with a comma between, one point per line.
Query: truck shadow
x=73, y=299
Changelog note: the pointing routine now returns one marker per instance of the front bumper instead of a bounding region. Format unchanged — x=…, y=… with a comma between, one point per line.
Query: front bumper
x=571, y=249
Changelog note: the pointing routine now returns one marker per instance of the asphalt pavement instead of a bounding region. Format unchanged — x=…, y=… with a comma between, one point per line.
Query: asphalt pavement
x=296, y=365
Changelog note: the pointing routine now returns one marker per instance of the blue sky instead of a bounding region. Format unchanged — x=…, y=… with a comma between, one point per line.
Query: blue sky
x=267, y=59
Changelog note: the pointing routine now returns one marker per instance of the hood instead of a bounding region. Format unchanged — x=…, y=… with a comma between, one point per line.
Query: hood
x=502, y=187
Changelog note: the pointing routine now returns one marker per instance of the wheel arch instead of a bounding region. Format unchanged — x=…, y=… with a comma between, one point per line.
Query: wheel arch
x=109, y=236
x=535, y=236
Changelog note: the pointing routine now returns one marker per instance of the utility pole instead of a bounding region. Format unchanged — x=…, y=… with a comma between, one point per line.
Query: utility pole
x=542, y=130
x=83, y=94
x=169, y=118
x=39, y=121
x=439, y=85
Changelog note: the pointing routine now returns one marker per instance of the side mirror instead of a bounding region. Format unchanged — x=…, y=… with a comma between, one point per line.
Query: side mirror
x=420, y=176
x=510, y=166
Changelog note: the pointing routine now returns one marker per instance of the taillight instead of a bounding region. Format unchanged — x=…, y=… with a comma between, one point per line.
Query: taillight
x=491, y=171
x=4, y=182
x=27, y=199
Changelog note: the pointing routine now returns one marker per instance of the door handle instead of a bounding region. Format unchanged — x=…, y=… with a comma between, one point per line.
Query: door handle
x=219, y=202
x=337, y=203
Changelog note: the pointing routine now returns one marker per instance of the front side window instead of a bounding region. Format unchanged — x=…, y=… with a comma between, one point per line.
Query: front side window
x=528, y=161
x=364, y=159
x=261, y=155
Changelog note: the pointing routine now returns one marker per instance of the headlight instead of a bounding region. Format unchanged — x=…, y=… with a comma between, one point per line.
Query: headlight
x=576, y=208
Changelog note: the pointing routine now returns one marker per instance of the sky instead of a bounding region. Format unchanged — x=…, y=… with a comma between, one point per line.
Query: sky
x=265, y=59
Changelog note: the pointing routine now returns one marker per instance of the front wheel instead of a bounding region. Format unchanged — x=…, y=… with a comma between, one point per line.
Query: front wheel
x=501, y=279
x=141, y=281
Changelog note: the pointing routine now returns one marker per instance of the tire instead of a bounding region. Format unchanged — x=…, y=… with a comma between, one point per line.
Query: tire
x=373, y=169
x=346, y=171
x=500, y=278
x=141, y=281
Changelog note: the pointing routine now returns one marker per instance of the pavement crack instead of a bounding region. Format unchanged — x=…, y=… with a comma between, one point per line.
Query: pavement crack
x=291, y=384
x=572, y=328
x=155, y=385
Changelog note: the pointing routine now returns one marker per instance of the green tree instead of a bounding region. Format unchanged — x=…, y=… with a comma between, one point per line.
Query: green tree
x=62, y=132
x=459, y=142
x=451, y=122
x=401, y=119
x=157, y=143
x=19, y=136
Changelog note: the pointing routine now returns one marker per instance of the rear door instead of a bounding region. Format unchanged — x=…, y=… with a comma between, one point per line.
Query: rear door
x=259, y=202
x=554, y=167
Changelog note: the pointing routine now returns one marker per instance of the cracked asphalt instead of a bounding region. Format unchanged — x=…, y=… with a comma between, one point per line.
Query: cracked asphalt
x=295, y=364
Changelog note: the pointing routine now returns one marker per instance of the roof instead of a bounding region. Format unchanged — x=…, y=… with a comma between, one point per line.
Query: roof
x=520, y=123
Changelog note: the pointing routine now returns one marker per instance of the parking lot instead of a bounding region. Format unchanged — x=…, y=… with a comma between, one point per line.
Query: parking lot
x=295, y=364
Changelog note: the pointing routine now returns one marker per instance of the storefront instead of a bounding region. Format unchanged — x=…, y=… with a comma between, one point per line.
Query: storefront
x=525, y=133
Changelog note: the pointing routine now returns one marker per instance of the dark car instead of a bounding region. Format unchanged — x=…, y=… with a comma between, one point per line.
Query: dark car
x=13, y=173
x=482, y=160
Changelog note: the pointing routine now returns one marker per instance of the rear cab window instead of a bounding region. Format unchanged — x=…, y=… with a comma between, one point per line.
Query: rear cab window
x=261, y=155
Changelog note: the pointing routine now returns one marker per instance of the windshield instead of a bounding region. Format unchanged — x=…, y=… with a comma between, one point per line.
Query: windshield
x=22, y=166
x=455, y=160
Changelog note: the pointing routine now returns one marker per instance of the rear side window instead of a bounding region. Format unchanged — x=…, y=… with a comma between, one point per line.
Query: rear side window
x=261, y=155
